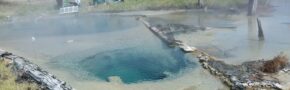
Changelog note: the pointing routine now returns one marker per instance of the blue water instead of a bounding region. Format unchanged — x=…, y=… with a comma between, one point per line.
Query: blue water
x=103, y=46
x=63, y=26
x=133, y=65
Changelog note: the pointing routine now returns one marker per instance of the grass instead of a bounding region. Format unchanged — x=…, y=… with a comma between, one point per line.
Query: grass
x=153, y=4
x=8, y=80
x=166, y=4
x=24, y=8
x=34, y=8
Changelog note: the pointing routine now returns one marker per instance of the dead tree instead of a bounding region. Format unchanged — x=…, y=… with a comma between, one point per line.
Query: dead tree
x=200, y=4
x=252, y=6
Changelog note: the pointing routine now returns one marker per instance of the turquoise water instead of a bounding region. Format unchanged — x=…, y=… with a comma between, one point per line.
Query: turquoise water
x=85, y=50
x=133, y=65
x=95, y=47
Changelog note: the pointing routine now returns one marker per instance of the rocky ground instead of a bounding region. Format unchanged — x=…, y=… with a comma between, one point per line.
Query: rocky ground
x=253, y=75
x=259, y=74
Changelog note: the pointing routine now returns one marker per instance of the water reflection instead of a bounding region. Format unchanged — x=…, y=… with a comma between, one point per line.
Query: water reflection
x=255, y=44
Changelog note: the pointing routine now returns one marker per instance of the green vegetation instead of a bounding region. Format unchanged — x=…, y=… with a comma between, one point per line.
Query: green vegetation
x=226, y=3
x=8, y=80
x=151, y=4
x=167, y=4
x=34, y=8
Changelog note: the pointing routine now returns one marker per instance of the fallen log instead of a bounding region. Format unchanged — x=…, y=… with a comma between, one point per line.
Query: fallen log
x=43, y=78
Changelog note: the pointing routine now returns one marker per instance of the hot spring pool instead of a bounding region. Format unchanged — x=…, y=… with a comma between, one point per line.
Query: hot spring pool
x=95, y=47
x=85, y=50
x=133, y=65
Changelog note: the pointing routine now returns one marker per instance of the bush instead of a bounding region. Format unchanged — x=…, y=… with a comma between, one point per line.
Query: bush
x=277, y=63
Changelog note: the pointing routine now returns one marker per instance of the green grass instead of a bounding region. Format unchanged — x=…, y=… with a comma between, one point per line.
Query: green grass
x=226, y=3
x=167, y=4
x=40, y=7
x=7, y=80
x=153, y=4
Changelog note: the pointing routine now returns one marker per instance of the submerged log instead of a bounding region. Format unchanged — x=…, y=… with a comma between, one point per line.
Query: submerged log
x=260, y=30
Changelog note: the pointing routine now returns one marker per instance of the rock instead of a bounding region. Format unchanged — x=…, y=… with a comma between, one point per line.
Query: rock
x=2, y=52
x=234, y=78
x=285, y=70
x=251, y=84
x=278, y=86
x=256, y=83
x=245, y=84
x=205, y=65
x=263, y=84
x=115, y=79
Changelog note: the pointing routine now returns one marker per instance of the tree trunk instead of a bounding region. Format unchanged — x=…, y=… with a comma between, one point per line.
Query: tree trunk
x=200, y=4
x=252, y=6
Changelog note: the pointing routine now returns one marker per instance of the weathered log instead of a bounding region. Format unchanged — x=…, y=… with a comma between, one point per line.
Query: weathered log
x=24, y=67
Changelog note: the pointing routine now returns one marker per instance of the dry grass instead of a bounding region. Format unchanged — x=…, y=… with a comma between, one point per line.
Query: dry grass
x=25, y=7
x=8, y=80
x=277, y=63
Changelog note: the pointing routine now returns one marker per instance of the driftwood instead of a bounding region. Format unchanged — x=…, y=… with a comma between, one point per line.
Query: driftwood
x=169, y=39
x=43, y=78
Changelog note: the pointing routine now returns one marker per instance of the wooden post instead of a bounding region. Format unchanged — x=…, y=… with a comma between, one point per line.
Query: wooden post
x=252, y=6
x=260, y=30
